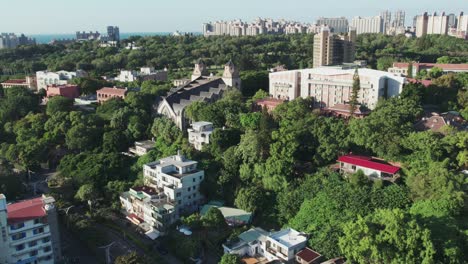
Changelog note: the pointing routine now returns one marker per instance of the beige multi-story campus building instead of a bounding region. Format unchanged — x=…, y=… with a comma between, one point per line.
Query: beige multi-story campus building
x=332, y=49
x=329, y=86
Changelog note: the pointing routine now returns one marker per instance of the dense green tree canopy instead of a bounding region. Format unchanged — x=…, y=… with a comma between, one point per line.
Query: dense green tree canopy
x=387, y=236
x=58, y=104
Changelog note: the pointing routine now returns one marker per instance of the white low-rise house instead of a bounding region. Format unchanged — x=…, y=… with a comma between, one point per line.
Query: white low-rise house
x=149, y=208
x=199, y=134
x=142, y=147
x=46, y=78
x=145, y=73
x=371, y=167
x=329, y=86
x=179, y=179
x=30, y=232
x=282, y=245
x=127, y=76
x=249, y=243
x=149, y=73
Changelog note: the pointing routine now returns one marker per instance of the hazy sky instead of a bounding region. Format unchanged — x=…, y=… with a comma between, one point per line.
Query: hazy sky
x=68, y=16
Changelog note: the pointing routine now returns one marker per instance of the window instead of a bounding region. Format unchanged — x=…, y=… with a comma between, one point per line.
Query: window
x=189, y=189
x=33, y=253
x=16, y=226
x=178, y=194
x=179, y=202
x=18, y=236
x=47, y=249
x=194, y=179
x=19, y=247
x=37, y=221
x=38, y=231
x=45, y=239
x=353, y=167
x=201, y=177
x=32, y=243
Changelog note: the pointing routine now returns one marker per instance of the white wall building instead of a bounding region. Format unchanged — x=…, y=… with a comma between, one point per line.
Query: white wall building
x=29, y=231
x=145, y=73
x=437, y=24
x=127, y=76
x=368, y=24
x=285, y=85
x=333, y=85
x=337, y=24
x=433, y=24
x=462, y=24
x=149, y=208
x=46, y=78
x=282, y=245
x=199, y=134
x=371, y=167
x=179, y=179
x=142, y=147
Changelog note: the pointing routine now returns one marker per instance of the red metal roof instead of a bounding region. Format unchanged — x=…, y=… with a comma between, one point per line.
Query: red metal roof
x=15, y=81
x=368, y=162
x=26, y=210
x=426, y=83
x=308, y=255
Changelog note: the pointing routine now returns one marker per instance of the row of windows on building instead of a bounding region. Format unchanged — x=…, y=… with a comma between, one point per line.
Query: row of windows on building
x=34, y=243
x=17, y=226
x=22, y=235
x=164, y=178
x=50, y=81
x=38, y=260
x=101, y=95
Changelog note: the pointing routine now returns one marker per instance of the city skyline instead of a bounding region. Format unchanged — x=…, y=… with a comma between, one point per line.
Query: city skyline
x=49, y=16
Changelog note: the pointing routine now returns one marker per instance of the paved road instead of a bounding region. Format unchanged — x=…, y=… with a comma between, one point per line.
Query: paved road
x=38, y=181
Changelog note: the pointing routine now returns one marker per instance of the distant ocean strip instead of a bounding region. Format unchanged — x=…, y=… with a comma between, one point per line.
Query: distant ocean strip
x=46, y=38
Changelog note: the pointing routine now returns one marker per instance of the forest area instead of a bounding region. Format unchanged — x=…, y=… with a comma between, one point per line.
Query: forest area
x=276, y=165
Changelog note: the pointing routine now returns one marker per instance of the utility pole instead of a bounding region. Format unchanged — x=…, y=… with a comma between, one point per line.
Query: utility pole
x=66, y=214
x=107, y=249
x=35, y=186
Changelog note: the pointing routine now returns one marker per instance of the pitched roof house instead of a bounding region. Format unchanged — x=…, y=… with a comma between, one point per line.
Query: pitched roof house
x=372, y=167
x=202, y=88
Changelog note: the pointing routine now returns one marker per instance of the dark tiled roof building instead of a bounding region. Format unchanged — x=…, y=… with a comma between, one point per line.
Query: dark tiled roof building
x=201, y=88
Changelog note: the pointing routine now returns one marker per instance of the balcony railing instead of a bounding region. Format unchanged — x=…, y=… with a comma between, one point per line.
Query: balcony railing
x=277, y=253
